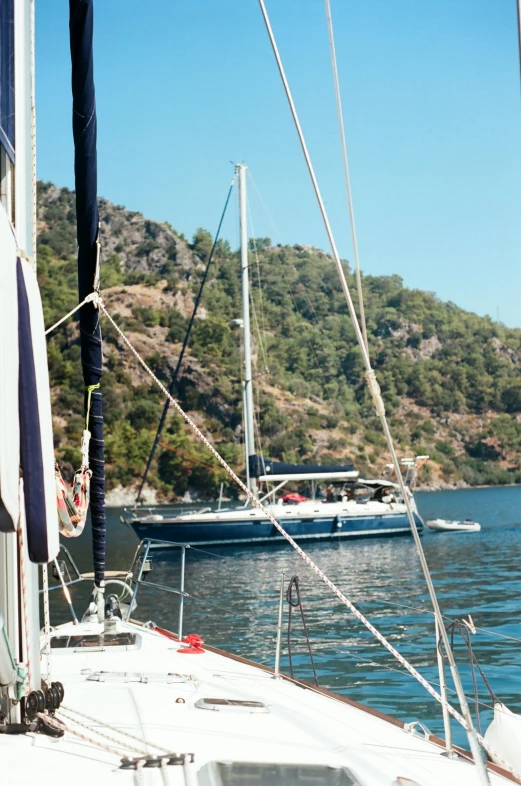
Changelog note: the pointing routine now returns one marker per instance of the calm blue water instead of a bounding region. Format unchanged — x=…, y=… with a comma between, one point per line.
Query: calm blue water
x=236, y=596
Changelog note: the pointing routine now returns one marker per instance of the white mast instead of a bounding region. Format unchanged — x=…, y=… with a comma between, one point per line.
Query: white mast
x=249, y=437
x=22, y=187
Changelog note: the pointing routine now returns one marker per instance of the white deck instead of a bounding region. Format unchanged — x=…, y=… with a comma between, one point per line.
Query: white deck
x=311, y=509
x=300, y=726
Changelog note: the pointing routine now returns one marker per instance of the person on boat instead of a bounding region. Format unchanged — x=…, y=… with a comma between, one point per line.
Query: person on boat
x=330, y=496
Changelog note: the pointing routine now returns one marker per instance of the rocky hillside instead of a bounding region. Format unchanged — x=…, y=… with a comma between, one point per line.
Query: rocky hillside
x=451, y=379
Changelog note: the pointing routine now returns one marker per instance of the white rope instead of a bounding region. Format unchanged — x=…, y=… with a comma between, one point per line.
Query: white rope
x=415, y=673
x=374, y=389
x=25, y=607
x=253, y=499
x=34, y=185
x=92, y=298
x=138, y=774
x=55, y=723
x=346, y=171
x=124, y=745
x=68, y=710
x=47, y=621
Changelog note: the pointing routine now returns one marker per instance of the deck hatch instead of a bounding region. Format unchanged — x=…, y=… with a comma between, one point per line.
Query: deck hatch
x=96, y=641
x=231, y=705
x=136, y=676
x=225, y=773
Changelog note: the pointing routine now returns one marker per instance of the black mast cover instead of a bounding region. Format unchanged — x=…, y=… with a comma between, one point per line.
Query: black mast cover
x=85, y=169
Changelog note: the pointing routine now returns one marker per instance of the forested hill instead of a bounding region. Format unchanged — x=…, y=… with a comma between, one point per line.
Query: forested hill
x=451, y=380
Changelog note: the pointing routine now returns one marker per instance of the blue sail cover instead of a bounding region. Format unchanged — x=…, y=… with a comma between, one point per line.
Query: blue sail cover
x=35, y=420
x=259, y=466
x=85, y=169
x=7, y=76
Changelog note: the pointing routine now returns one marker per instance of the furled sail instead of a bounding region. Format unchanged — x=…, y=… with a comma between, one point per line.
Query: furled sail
x=25, y=407
x=9, y=411
x=260, y=467
x=26, y=439
x=36, y=439
x=85, y=169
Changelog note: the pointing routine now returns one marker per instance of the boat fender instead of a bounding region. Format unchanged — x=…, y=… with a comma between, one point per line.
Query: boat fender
x=338, y=522
x=504, y=736
x=194, y=645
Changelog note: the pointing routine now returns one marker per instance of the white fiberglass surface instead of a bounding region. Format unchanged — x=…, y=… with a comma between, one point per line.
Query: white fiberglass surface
x=155, y=693
x=303, y=509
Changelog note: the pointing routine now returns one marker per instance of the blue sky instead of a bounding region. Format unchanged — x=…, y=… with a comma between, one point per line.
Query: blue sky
x=432, y=106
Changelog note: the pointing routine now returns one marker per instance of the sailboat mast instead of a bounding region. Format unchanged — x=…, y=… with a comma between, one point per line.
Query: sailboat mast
x=248, y=381
x=18, y=200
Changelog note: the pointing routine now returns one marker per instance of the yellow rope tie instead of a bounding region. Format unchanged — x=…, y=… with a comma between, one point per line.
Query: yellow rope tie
x=90, y=389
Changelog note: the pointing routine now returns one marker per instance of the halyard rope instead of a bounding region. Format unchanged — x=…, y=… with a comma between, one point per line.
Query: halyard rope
x=120, y=752
x=69, y=713
x=108, y=737
x=273, y=520
x=346, y=170
x=25, y=613
x=379, y=406
x=54, y=723
x=89, y=299
x=358, y=614
x=34, y=184
x=47, y=620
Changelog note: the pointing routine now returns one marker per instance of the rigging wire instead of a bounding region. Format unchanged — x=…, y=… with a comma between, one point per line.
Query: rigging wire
x=259, y=284
x=374, y=389
x=175, y=375
x=464, y=721
x=519, y=31
x=261, y=336
x=279, y=238
x=343, y=142
x=292, y=296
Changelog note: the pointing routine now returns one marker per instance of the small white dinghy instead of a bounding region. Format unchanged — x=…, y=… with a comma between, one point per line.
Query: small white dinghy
x=442, y=525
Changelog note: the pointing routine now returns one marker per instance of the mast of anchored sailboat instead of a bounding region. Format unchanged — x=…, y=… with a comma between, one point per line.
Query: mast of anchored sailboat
x=249, y=437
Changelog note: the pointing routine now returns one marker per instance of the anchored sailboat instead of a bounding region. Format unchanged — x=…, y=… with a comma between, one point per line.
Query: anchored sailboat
x=352, y=507
x=107, y=699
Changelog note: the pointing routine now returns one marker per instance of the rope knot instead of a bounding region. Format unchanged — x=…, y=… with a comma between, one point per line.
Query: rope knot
x=95, y=299
x=374, y=389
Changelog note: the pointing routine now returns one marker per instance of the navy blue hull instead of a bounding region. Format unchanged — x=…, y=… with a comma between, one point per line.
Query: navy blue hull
x=263, y=531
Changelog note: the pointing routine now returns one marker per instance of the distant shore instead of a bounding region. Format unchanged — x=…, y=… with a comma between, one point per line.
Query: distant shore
x=121, y=497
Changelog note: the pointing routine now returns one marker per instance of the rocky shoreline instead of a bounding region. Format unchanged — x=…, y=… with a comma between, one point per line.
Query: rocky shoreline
x=121, y=497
